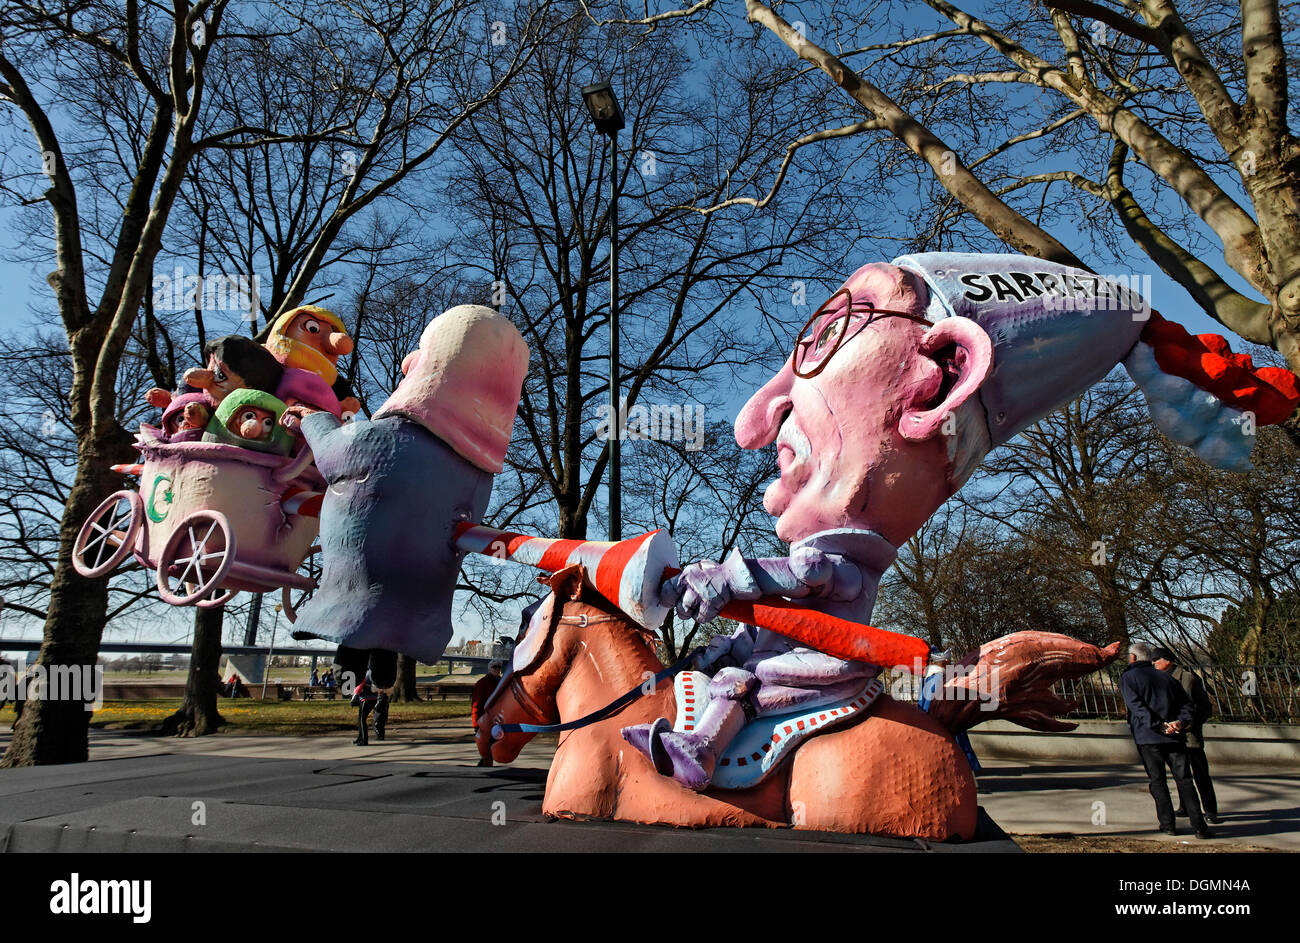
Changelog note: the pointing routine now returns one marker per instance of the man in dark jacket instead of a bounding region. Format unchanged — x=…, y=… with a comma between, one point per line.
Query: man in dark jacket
x=1200, y=766
x=1159, y=710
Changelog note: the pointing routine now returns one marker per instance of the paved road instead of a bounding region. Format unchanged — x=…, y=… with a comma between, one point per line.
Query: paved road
x=1258, y=804
x=413, y=793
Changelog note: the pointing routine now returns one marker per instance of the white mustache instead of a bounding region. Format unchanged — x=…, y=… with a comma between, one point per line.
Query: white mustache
x=791, y=435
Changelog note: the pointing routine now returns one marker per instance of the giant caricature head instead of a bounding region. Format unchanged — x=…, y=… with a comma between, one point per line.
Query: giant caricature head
x=911, y=372
x=858, y=411
x=463, y=383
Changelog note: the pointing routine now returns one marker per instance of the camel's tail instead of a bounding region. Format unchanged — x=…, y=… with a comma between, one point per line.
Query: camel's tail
x=1011, y=678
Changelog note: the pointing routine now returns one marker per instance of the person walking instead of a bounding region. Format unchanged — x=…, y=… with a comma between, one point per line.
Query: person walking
x=381, y=713
x=1165, y=660
x=1159, y=710
x=364, y=699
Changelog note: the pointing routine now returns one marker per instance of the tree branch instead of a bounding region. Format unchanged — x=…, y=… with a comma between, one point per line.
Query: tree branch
x=1004, y=222
x=1232, y=224
x=1111, y=18
x=1265, y=59
x=825, y=134
x=1249, y=319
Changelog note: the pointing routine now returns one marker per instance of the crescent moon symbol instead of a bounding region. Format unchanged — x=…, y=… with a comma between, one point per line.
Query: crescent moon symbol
x=153, y=493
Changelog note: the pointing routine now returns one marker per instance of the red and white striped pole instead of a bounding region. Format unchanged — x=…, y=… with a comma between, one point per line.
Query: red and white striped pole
x=626, y=572
x=629, y=573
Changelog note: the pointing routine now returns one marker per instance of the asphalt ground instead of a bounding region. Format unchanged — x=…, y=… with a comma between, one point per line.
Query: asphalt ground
x=420, y=791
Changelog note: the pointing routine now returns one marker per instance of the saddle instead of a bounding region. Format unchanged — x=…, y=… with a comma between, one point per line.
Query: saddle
x=764, y=742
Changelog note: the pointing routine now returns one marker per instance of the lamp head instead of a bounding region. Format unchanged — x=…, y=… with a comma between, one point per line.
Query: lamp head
x=603, y=106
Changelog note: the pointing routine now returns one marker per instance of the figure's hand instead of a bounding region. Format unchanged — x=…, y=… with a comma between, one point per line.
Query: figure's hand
x=158, y=398
x=701, y=590
x=1011, y=678
x=809, y=572
x=812, y=568
x=293, y=416
x=719, y=647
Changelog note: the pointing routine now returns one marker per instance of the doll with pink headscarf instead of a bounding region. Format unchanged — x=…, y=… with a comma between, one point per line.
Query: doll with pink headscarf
x=897, y=388
x=401, y=481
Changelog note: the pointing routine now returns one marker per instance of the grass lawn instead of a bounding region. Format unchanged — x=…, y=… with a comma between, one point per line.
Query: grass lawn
x=248, y=716
x=296, y=675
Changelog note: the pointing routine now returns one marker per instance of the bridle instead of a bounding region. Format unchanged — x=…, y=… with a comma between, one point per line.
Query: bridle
x=534, y=712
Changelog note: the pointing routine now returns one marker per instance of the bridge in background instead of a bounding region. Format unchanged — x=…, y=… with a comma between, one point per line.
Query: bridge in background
x=479, y=662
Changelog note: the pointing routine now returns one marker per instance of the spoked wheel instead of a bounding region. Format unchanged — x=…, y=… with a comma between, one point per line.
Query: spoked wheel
x=109, y=534
x=198, y=554
x=292, y=598
x=219, y=597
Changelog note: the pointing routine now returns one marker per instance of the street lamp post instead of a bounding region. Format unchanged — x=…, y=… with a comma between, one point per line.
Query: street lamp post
x=608, y=118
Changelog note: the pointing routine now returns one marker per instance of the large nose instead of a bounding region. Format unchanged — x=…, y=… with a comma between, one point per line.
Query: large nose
x=760, y=420
x=340, y=343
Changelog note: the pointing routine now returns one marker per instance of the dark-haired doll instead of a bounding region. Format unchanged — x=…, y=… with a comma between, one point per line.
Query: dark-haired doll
x=234, y=363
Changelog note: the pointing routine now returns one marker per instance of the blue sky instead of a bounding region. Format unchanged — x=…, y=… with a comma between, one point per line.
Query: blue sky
x=27, y=301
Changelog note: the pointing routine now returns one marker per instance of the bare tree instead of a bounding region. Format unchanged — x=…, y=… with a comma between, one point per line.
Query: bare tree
x=1086, y=487
x=1240, y=552
x=1191, y=99
x=528, y=192
x=128, y=86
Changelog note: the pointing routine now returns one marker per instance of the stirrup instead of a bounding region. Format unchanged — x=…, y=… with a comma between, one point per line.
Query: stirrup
x=658, y=753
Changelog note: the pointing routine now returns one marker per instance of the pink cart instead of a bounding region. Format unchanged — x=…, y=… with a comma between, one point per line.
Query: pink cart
x=211, y=520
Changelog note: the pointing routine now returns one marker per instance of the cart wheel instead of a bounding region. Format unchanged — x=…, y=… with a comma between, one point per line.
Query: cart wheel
x=219, y=597
x=292, y=598
x=201, y=551
x=109, y=534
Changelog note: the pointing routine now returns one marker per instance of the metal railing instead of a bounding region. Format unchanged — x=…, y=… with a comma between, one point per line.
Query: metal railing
x=1241, y=694
x=1261, y=694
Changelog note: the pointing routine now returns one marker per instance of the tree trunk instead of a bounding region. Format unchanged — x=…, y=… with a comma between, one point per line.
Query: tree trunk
x=404, y=690
x=198, y=716
x=1112, y=607
x=59, y=731
x=573, y=520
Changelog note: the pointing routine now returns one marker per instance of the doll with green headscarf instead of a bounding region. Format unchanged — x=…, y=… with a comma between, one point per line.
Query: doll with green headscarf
x=250, y=419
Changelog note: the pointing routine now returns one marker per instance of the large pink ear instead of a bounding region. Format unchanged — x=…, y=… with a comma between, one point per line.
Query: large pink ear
x=957, y=348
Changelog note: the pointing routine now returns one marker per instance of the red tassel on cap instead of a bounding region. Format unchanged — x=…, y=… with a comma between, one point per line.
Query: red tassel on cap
x=1271, y=393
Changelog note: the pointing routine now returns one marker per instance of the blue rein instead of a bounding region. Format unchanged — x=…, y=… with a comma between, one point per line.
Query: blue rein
x=613, y=707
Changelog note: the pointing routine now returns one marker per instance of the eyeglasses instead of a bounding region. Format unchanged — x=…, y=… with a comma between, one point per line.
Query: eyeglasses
x=827, y=331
